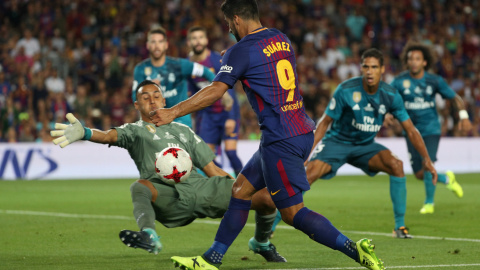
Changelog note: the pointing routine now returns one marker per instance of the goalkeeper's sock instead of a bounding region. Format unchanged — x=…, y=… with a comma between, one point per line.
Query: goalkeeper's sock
x=429, y=188
x=142, y=205
x=263, y=226
x=398, y=194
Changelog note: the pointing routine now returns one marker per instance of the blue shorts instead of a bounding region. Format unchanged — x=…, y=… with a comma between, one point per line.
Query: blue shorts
x=336, y=154
x=431, y=142
x=279, y=167
x=212, y=128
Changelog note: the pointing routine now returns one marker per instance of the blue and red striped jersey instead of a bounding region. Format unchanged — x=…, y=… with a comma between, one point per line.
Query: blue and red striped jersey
x=264, y=61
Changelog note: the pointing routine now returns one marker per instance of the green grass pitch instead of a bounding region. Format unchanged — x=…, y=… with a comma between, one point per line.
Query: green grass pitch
x=74, y=225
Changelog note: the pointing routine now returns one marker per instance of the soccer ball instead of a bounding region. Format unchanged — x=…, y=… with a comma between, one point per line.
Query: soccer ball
x=173, y=165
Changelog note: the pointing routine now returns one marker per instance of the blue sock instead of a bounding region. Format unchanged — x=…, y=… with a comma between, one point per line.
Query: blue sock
x=442, y=178
x=319, y=228
x=234, y=161
x=398, y=194
x=429, y=187
x=231, y=225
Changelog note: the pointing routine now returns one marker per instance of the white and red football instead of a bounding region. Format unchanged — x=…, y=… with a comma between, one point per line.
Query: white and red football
x=173, y=165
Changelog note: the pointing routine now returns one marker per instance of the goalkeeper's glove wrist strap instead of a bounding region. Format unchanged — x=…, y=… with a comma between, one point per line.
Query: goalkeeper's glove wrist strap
x=88, y=134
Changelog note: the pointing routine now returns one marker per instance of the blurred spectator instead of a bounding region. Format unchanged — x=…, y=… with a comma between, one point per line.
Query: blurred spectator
x=54, y=83
x=83, y=49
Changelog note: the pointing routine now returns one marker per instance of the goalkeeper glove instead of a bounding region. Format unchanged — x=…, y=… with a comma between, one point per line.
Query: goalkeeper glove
x=70, y=133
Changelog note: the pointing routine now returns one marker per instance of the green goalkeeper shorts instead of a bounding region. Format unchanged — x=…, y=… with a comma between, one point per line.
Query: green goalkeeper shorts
x=197, y=197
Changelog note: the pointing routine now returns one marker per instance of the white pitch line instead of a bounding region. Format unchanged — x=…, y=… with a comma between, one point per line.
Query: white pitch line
x=67, y=215
x=388, y=267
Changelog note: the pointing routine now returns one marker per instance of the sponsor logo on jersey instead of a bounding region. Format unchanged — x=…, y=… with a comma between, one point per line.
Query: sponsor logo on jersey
x=147, y=71
x=155, y=137
x=274, y=47
x=419, y=103
x=151, y=128
x=368, y=125
x=417, y=90
x=382, y=109
x=407, y=92
x=225, y=68
x=357, y=96
x=169, y=93
x=292, y=107
x=333, y=104
x=356, y=107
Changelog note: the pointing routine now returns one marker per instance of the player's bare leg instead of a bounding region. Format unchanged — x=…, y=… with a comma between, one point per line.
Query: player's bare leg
x=385, y=161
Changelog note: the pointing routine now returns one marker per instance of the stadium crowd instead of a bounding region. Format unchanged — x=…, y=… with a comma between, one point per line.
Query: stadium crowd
x=78, y=56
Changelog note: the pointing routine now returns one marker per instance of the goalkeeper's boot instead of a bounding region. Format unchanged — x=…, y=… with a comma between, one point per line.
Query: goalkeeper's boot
x=277, y=220
x=147, y=239
x=267, y=250
x=453, y=185
x=402, y=232
x=366, y=255
x=427, y=208
x=193, y=263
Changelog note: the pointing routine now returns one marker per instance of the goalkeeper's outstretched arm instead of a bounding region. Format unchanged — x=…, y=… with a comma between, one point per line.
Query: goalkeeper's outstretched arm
x=68, y=134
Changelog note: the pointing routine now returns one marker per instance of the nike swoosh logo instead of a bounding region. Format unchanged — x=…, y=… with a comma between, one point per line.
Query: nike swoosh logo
x=273, y=193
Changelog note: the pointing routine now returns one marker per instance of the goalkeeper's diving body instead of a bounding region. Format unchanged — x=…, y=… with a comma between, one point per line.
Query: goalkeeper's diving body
x=178, y=205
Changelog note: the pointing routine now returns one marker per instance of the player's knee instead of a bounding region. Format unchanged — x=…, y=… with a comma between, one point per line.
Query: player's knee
x=143, y=187
x=396, y=166
x=317, y=169
x=262, y=203
x=419, y=175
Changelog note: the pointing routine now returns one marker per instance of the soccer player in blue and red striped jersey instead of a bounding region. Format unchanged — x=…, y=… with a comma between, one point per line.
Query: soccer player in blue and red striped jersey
x=264, y=61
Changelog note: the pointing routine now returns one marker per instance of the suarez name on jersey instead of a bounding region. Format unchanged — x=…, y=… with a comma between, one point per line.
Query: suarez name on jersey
x=264, y=62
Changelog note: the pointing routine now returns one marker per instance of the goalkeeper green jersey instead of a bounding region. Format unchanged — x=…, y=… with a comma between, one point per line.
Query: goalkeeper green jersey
x=144, y=141
x=196, y=197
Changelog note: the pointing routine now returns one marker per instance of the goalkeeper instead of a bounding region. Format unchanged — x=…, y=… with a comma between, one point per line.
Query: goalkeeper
x=178, y=205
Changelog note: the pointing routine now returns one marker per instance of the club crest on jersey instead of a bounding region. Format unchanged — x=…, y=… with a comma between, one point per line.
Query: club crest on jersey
x=382, y=109
x=147, y=71
x=151, y=129
x=406, y=84
x=357, y=96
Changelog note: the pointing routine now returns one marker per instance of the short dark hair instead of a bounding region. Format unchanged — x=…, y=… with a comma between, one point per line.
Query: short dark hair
x=144, y=83
x=245, y=9
x=195, y=29
x=416, y=46
x=158, y=30
x=375, y=53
